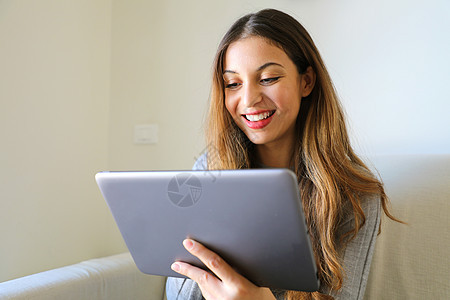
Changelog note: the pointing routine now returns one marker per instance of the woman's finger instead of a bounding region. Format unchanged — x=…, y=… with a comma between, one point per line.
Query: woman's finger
x=202, y=277
x=212, y=261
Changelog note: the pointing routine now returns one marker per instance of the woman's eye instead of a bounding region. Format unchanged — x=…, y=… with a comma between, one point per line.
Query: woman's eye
x=233, y=85
x=270, y=80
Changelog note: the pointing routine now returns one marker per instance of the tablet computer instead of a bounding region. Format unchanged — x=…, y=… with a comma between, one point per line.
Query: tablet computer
x=252, y=218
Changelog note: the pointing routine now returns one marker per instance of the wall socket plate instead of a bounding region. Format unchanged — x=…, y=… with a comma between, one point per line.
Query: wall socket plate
x=146, y=134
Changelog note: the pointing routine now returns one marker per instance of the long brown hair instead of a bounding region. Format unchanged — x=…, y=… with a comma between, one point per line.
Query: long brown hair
x=331, y=176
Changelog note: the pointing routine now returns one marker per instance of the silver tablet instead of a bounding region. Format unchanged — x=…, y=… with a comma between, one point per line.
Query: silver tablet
x=252, y=218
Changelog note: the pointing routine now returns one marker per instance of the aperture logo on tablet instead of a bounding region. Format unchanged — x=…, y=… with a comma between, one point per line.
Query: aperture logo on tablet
x=184, y=189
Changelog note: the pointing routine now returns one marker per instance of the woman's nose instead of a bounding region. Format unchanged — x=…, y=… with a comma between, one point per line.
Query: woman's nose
x=252, y=95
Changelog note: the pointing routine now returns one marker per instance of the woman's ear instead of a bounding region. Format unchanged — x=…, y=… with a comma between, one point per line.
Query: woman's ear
x=307, y=81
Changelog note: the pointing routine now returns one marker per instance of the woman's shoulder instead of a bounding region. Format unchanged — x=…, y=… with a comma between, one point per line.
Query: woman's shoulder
x=371, y=207
x=370, y=203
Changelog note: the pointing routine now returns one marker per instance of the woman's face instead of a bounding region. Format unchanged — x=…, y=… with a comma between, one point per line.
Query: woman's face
x=263, y=90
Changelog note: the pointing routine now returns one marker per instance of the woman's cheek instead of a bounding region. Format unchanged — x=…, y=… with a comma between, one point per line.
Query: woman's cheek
x=231, y=105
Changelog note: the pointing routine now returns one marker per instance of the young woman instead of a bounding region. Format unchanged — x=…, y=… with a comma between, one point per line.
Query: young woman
x=273, y=105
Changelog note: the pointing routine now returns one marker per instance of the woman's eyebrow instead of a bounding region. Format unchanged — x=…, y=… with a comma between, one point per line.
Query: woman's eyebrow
x=230, y=71
x=259, y=68
x=268, y=65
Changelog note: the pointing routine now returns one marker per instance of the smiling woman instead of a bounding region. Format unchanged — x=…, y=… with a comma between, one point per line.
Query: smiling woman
x=273, y=105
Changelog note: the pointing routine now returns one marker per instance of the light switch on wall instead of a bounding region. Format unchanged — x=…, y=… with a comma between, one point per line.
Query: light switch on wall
x=146, y=134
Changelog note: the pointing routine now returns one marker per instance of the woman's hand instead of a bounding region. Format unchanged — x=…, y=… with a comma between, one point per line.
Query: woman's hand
x=227, y=284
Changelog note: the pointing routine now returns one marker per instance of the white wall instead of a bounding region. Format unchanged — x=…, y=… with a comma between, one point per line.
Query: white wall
x=158, y=77
x=54, y=111
x=389, y=61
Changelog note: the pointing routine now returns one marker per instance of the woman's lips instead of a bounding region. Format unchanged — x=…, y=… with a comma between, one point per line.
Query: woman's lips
x=259, y=119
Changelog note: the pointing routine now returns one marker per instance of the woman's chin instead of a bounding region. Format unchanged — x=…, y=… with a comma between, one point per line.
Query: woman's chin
x=257, y=138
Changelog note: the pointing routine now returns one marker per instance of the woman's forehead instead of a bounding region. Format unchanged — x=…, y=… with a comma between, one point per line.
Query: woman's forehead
x=253, y=52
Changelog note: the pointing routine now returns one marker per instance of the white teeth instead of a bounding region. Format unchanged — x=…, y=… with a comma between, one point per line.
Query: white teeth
x=255, y=118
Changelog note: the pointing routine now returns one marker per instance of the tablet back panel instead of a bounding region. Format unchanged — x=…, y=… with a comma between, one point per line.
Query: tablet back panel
x=251, y=218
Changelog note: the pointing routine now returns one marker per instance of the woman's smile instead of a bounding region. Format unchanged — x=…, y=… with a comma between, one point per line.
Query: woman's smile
x=259, y=119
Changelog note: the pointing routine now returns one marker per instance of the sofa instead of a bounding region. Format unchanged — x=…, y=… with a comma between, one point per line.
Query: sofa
x=411, y=261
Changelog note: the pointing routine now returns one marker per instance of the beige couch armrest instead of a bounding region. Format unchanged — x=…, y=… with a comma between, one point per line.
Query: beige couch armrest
x=113, y=277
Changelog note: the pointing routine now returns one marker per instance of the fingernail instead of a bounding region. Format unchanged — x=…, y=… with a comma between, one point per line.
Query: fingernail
x=188, y=244
x=175, y=267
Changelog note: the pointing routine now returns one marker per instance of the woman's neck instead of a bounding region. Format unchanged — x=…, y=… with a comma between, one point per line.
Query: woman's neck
x=276, y=155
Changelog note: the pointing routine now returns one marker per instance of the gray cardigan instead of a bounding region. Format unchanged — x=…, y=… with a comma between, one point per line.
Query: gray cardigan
x=357, y=256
